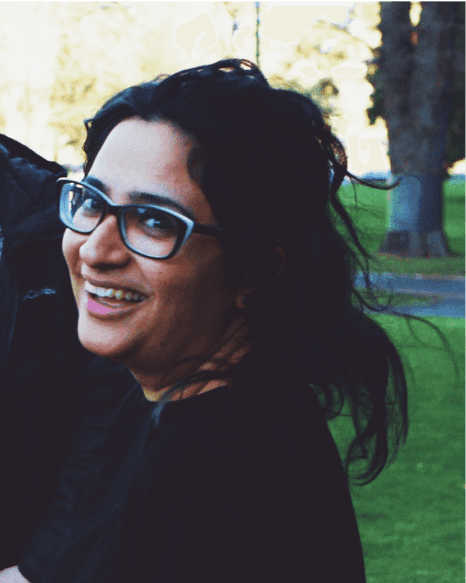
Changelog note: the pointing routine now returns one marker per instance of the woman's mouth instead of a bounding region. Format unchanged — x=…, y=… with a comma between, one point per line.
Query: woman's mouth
x=103, y=300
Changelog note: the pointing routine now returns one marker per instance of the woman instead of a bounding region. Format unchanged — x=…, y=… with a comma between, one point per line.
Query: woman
x=206, y=252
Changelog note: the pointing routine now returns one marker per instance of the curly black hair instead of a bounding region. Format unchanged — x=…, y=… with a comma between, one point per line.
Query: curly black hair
x=271, y=169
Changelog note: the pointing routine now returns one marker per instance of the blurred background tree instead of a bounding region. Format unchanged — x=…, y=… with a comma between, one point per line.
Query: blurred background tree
x=418, y=74
x=456, y=123
x=60, y=61
x=309, y=51
x=232, y=9
x=93, y=64
x=325, y=62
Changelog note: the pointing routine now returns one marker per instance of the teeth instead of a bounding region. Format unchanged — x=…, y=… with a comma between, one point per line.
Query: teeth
x=105, y=292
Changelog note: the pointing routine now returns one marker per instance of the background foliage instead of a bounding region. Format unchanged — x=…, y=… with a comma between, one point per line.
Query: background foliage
x=60, y=61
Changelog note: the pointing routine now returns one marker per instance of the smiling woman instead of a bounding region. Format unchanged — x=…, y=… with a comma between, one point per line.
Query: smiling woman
x=204, y=255
x=183, y=308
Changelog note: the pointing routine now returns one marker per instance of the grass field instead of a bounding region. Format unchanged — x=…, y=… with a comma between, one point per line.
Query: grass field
x=411, y=518
x=397, y=299
x=371, y=219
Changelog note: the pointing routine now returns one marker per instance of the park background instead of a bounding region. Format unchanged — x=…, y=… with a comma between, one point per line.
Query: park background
x=61, y=60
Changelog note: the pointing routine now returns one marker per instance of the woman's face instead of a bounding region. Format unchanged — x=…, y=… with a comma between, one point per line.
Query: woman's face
x=186, y=304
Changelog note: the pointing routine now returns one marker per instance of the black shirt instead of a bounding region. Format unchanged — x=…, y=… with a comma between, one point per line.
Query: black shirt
x=233, y=486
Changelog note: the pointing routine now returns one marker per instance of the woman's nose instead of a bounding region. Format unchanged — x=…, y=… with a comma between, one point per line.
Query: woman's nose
x=104, y=245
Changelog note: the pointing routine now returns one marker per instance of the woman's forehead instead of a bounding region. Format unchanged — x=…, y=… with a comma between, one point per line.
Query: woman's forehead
x=152, y=147
x=150, y=157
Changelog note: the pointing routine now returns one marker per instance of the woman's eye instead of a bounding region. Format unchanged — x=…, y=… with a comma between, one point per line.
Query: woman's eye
x=88, y=205
x=91, y=204
x=156, y=221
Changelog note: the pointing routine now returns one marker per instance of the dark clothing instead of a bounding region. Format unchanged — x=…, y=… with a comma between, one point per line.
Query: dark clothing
x=56, y=399
x=233, y=486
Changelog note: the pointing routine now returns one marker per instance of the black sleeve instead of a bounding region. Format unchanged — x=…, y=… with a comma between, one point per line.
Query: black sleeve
x=99, y=387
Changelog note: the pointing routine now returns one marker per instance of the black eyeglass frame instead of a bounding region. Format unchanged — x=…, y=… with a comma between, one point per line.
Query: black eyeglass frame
x=110, y=207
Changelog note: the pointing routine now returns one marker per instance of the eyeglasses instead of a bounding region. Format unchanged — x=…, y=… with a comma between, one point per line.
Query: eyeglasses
x=148, y=230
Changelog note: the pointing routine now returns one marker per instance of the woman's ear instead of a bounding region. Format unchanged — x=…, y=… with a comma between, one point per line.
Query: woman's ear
x=279, y=265
x=241, y=298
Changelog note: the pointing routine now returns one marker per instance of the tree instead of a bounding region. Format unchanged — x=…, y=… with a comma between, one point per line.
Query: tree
x=328, y=58
x=308, y=49
x=92, y=64
x=25, y=84
x=232, y=10
x=456, y=124
x=419, y=82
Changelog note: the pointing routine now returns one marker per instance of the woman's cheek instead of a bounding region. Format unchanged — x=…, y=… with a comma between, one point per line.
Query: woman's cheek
x=70, y=246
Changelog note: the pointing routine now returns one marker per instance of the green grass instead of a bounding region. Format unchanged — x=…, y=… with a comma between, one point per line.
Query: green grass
x=439, y=266
x=397, y=299
x=411, y=518
x=371, y=219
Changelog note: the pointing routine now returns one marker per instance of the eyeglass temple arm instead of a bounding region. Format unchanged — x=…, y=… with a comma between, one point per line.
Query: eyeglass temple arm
x=209, y=230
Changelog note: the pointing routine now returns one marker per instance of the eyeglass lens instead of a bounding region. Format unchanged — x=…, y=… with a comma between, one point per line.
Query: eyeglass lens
x=147, y=230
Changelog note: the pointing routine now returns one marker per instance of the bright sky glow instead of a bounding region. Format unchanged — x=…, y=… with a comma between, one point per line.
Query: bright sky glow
x=336, y=37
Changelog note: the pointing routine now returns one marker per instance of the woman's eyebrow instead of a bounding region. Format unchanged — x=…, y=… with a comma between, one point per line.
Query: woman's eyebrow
x=137, y=197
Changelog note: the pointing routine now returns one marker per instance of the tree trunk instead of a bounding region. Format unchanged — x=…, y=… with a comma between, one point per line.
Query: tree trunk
x=417, y=78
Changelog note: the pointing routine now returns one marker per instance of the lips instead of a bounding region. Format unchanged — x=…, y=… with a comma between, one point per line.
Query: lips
x=108, y=307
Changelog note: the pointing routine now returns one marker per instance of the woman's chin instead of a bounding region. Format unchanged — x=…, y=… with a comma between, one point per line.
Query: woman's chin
x=102, y=344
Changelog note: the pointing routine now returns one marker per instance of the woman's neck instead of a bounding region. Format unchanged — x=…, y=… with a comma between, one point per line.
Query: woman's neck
x=229, y=352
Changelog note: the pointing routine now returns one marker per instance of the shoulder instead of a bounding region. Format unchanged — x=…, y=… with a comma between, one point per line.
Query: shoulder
x=255, y=483
x=16, y=153
x=28, y=197
x=25, y=171
x=249, y=432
